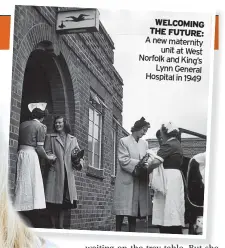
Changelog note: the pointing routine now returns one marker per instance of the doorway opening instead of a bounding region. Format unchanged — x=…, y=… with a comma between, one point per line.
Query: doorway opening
x=44, y=81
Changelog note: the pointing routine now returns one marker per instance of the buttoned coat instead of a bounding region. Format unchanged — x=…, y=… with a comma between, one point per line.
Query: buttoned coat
x=54, y=187
x=131, y=195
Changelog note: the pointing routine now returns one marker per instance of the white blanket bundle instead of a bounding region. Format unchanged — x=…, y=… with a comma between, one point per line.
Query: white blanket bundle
x=157, y=179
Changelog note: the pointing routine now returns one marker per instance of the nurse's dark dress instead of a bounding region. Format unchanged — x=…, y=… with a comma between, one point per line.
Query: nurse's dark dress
x=29, y=191
x=169, y=210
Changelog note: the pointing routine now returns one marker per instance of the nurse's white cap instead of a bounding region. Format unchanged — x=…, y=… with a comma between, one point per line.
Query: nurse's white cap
x=39, y=105
x=170, y=126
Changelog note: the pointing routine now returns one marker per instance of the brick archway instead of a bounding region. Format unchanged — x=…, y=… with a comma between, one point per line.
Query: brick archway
x=40, y=38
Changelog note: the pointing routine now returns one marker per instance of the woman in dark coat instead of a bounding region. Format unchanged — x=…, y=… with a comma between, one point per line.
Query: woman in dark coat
x=60, y=188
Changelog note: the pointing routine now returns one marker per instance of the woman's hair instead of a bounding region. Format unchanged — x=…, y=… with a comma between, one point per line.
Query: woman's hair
x=38, y=113
x=13, y=231
x=138, y=125
x=172, y=134
x=67, y=127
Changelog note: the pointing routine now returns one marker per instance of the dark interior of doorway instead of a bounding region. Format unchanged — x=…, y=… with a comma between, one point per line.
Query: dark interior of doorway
x=36, y=85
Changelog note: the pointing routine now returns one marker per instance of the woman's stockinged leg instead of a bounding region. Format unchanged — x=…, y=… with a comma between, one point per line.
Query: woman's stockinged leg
x=53, y=214
x=53, y=220
x=132, y=223
x=119, y=222
x=61, y=219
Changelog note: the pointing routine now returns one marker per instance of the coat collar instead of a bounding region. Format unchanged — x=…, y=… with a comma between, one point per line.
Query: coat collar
x=136, y=145
x=69, y=139
x=133, y=139
x=36, y=120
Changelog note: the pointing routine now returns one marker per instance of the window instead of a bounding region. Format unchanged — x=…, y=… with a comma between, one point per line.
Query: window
x=114, y=143
x=95, y=132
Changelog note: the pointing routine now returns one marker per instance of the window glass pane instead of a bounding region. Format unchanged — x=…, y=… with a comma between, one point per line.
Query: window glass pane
x=97, y=118
x=90, y=143
x=96, y=161
x=96, y=146
x=91, y=113
x=96, y=132
x=90, y=130
x=90, y=158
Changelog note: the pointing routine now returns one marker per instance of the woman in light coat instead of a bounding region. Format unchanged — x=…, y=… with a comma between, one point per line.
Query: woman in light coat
x=131, y=195
x=60, y=189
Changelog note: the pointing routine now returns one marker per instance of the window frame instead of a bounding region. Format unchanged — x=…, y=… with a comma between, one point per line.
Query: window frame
x=96, y=107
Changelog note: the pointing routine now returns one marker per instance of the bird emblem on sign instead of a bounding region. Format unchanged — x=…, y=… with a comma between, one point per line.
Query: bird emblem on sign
x=81, y=17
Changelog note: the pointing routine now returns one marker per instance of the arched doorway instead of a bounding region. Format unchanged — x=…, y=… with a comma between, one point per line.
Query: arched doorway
x=43, y=82
x=47, y=79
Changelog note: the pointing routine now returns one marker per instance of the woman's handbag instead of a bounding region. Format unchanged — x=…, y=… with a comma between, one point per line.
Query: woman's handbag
x=140, y=169
x=76, y=157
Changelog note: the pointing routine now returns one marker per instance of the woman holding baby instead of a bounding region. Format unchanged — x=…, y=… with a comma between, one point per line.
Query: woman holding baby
x=169, y=208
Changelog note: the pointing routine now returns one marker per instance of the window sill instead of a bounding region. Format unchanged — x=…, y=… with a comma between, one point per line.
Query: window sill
x=94, y=172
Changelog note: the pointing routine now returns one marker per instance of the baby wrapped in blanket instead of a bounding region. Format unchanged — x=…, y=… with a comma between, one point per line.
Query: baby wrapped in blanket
x=157, y=179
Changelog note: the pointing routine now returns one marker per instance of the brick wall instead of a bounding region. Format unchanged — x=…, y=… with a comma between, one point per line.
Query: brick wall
x=79, y=62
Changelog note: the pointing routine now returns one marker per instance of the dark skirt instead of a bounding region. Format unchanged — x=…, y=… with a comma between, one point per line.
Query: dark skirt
x=66, y=204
